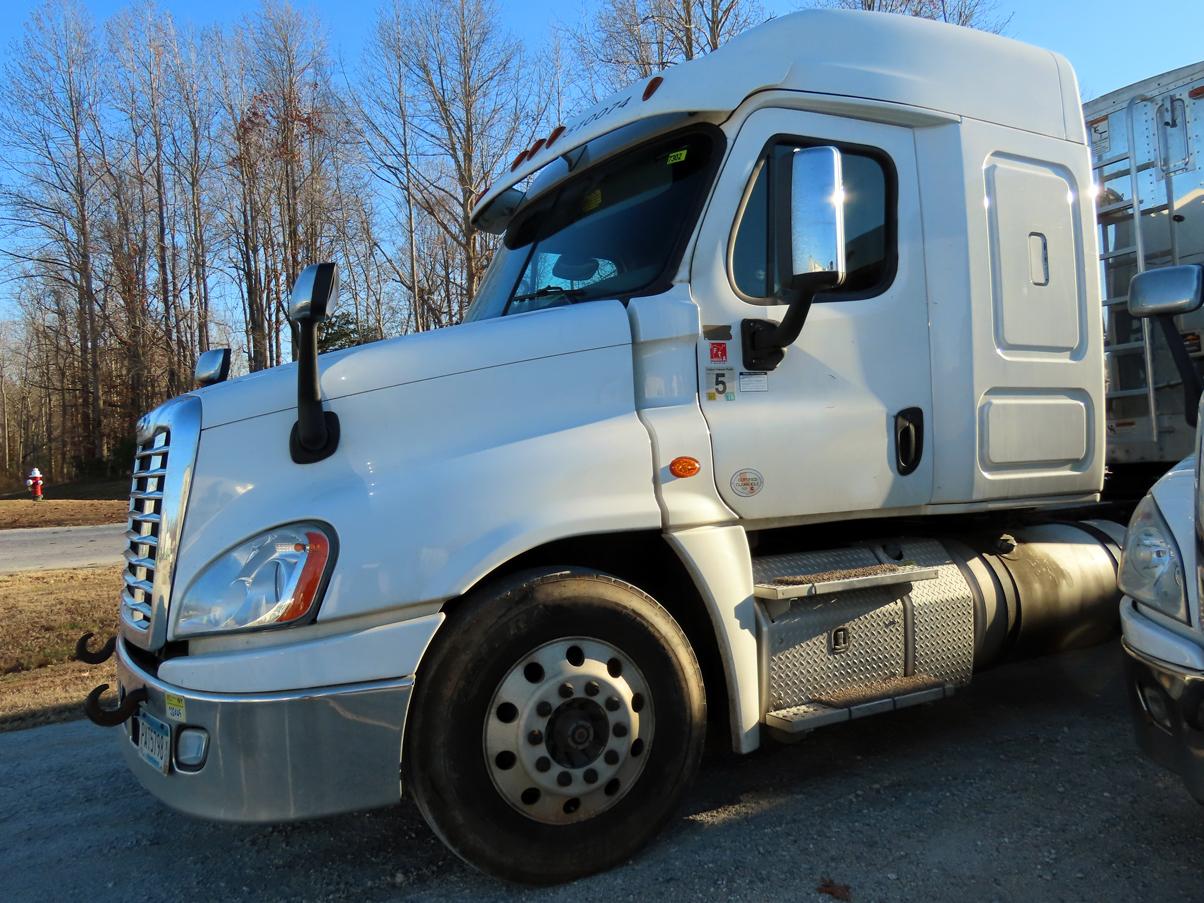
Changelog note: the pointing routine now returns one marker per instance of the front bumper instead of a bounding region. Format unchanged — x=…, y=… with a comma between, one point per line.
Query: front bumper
x=274, y=756
x=1166, y=702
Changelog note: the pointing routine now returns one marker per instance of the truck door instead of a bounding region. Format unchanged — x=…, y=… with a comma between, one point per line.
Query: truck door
x=842, y=424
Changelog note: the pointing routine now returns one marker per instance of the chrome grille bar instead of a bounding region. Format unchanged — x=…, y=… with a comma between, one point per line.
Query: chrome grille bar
x=159, y=489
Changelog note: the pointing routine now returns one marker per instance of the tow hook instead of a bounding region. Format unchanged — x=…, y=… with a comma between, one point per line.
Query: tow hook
x=112, y=717
x=87, y=656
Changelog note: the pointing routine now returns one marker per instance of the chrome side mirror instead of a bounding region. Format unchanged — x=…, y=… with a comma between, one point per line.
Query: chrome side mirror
x=814, y=225
x=213, y=366
x=807, y=187
x=1169, y=291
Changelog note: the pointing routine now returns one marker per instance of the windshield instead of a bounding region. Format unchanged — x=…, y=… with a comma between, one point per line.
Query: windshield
x=615, y=231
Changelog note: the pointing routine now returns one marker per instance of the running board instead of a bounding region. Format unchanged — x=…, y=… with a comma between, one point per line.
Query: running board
x=844, y=580
x=800, y=719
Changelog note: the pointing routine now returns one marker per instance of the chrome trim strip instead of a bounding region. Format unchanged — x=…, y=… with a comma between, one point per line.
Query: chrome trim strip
x=180, y=420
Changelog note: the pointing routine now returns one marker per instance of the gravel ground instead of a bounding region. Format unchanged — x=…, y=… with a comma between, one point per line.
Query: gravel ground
x=1026, y=786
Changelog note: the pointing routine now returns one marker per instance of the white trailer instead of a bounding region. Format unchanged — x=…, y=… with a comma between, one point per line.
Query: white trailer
x=1147, y=142
x=769, y=415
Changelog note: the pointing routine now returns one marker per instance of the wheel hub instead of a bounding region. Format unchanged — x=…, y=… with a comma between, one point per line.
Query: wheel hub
x=567, y=731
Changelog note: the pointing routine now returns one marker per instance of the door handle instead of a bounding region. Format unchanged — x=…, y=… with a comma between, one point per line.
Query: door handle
x=909, y=440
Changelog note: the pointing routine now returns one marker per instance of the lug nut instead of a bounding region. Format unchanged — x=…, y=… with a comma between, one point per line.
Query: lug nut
x=564, y=779
x=535, y=738
x=590, y=776
x=611, y=757
x=612, y=704
x=543, y=763
x=619, y=730
x=544, y=709
x=592, y=688
x=566, y=690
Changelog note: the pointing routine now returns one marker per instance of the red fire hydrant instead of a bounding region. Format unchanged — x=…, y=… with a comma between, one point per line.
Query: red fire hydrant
x=34, y=482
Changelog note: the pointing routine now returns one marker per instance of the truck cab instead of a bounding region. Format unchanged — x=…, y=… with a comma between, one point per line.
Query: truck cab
x=778, y=407
x=1160, y=572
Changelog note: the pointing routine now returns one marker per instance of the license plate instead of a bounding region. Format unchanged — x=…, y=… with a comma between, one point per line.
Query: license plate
x=154, y=741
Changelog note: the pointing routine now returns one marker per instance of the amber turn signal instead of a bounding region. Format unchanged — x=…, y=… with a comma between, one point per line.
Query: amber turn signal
x=684, y=466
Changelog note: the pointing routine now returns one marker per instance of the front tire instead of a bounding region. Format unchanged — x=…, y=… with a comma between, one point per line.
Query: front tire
x=556, y=723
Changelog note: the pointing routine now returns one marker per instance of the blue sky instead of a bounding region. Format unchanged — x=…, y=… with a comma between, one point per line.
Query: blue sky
x=1111, y=43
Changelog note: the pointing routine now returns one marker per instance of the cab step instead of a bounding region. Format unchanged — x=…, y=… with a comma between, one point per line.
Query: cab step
x=858, y=702
x=842, y=580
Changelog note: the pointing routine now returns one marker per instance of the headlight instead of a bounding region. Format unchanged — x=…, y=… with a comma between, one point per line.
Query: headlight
x=271, y=580
x=1152, y=568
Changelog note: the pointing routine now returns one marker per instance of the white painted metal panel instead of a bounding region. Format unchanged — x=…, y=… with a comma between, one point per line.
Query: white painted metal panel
x=376, y=653
x=984, y=191
x=816, y=435
x=438, y=481
x=1027, y=431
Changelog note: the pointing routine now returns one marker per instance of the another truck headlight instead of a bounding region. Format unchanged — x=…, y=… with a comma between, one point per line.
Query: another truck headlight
x=271, y=580
x=1152, y=568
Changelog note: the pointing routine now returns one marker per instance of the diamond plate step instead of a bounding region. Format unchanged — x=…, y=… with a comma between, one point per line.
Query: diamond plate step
x=810, y=715
x=797, y=586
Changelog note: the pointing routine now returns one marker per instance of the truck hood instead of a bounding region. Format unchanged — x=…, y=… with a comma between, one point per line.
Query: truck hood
x=419, y=357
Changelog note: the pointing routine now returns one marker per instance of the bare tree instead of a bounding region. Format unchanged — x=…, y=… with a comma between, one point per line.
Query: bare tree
x=981, y=14
x=629, y=40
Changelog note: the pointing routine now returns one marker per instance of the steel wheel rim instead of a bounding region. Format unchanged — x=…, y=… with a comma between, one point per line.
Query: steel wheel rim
x=568, y=730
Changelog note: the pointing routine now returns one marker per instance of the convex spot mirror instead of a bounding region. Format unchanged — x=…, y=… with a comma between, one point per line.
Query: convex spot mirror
x=1169, y=291
x=811, y=249
x=314, y=293
x=213, y=366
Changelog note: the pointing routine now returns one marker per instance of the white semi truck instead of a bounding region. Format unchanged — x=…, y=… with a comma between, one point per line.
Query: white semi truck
x=772, y=412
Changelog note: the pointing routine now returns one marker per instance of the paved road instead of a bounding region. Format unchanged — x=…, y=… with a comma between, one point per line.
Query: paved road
x=1025, y=787
x=40, y=548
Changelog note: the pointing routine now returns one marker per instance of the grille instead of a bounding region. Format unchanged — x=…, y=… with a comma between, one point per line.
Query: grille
x=145, y=529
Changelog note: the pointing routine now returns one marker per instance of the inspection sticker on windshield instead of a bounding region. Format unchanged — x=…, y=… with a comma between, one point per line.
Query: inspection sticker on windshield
x=754, y=381
x=676, y=157
x=175, y=706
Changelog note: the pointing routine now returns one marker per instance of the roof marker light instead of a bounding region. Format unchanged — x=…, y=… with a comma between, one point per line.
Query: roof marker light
x=522, y=155
x=535, y=148
x=556, y=133
x=652, y=85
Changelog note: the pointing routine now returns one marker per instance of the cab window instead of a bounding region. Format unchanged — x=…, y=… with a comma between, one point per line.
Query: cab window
x=869, y=218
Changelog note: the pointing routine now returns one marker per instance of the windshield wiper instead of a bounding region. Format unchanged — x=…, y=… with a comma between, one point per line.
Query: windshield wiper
x=543, y=292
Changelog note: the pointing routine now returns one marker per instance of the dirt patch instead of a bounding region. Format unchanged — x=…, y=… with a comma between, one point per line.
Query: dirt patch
x=61, y=513
x=43, y=614
x=52, y=694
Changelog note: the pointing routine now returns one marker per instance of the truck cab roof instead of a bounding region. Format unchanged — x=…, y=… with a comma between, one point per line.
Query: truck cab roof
x=948, y=69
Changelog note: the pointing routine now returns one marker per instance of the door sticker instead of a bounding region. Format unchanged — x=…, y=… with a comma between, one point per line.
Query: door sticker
x=718, y=352
x=719, y=385
x=747, y=482
x=754, y=381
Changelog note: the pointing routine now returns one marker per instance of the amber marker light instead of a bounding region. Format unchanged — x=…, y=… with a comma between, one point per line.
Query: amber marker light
x=684, y=466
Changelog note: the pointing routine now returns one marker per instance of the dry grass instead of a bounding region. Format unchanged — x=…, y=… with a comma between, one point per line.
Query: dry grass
x=61, y=513
x=42, y=615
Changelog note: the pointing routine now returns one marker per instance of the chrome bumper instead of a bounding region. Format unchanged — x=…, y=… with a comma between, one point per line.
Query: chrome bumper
x=275, y=756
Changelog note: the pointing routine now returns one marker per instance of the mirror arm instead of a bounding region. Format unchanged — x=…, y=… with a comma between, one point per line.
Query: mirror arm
x=763, y=343
x=1192, y=386
x=315, y=435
